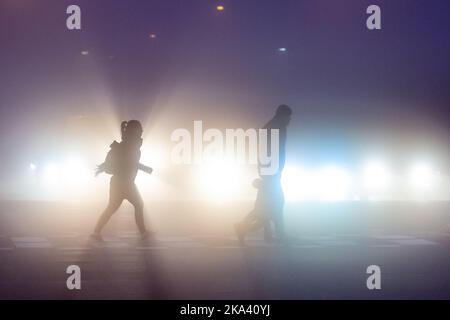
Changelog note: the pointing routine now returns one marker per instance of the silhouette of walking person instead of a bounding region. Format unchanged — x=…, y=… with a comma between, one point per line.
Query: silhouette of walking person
x=269, y=203
x=122, y=162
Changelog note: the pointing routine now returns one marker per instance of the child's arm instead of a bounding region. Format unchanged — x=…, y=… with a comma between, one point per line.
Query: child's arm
x=100, y=169
x=145, y=168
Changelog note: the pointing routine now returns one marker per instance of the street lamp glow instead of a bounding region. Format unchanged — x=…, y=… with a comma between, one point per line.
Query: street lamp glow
x=333, y=184
x=422, y=176
x=75, y=172
x=376, y=175
x=220, y=181
x=51, y=174
x=298, y=184
x=220, y=8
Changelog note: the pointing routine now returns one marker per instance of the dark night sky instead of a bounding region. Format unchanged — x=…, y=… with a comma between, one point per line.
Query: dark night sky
x=349, y=87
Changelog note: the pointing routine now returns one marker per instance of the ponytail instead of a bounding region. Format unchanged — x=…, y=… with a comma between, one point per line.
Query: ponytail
x=123, y=128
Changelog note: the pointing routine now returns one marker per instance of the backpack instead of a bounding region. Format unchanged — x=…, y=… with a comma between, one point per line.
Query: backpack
x=111, y=163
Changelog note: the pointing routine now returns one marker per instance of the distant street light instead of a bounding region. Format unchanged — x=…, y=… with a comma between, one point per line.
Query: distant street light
x=220, y=8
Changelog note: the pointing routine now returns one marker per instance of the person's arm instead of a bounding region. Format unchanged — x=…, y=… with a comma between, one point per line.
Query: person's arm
x=145, y=168
x=100, y=169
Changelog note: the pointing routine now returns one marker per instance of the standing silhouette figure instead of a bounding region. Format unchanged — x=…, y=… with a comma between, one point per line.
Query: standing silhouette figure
x=269, y=204
x=122, y=162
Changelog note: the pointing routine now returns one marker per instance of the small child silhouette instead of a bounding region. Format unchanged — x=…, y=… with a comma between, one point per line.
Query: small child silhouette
x=257, y=218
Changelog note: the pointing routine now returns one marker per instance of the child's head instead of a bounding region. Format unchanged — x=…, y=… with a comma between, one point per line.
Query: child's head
x=257, y=183
x=131, y=130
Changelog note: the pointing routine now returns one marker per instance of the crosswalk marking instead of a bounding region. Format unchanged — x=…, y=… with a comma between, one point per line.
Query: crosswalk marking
x=257, y=243
x=74, y=248
x=31, y=242
x=111, y=244
x=190, y=244
x=393, y=237
x=384, y=245
x=306, y=246
x=415, y=242
x=229, y=247
x=177, y=239
x=79, y=243
x=337, y=243
x=318, y=238
x=152, y=248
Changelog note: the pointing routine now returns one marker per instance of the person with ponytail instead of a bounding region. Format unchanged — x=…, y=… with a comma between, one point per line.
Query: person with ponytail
x=122, y=162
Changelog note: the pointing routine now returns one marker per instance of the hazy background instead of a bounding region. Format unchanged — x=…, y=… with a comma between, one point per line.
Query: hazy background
x=355, y=93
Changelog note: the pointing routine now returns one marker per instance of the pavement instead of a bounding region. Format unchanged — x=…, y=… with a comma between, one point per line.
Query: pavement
x=38, y=244
x=210, y=267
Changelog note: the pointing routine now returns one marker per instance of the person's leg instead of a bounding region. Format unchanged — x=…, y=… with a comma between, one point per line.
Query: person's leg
x=268, y=237
x=279, y=228
x=278, y=219
x=136, y=200
x=248, y=220
x=258, y=222
x=115, y=200
x=281, y=233
x=242, y=227
x=274, y=209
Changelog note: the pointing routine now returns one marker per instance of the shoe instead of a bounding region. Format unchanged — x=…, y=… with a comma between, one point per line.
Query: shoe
x=240, y=234
x=96, y=237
